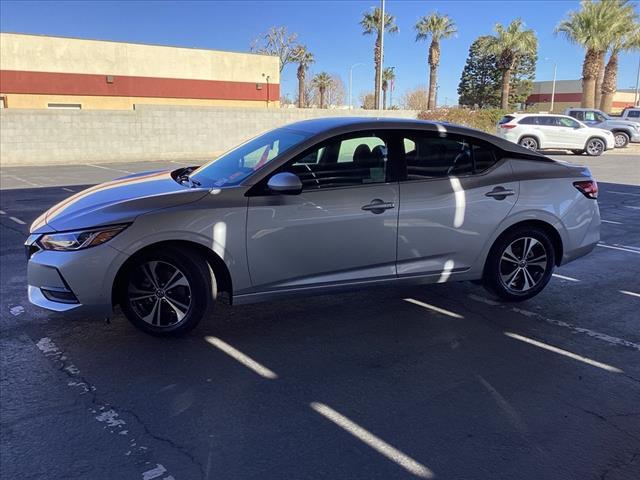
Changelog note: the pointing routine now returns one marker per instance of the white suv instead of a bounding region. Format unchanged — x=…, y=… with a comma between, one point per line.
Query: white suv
x=537, y=131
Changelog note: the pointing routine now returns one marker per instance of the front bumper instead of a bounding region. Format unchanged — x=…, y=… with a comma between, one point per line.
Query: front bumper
x=635, y=137
x=79, y=281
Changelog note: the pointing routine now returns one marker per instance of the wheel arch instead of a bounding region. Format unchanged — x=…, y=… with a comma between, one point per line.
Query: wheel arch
x=554, y=236
x=220, y=269
x=531, y=135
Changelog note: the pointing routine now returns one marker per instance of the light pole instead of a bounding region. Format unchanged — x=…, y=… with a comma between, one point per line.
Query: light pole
x=636, y=99
x=379, y=92
x=351, y=83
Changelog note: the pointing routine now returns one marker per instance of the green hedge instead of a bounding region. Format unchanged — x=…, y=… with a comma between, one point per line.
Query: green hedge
x=485, y=120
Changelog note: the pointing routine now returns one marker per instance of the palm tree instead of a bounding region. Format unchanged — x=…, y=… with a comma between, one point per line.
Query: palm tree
x=303, y=58
x=322, y=81
x=437, y=27
x=371, y=24
x=625, y=41
x=509, y=45
x=593, y=27
x=388, y=76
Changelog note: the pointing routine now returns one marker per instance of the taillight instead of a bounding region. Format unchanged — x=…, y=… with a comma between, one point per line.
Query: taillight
x=589, y=188
x=507, y=126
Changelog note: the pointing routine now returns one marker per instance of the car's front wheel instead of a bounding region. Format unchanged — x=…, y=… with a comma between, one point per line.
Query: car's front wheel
x=167, y=291
x=529, y=143
x=519, y=264
x=595, y=147
x=621, y=139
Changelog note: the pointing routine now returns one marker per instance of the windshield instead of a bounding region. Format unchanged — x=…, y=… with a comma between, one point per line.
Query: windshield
x=238, y=163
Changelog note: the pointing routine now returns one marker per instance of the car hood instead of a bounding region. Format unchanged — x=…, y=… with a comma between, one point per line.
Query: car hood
x=620, y=123
x=118, y=201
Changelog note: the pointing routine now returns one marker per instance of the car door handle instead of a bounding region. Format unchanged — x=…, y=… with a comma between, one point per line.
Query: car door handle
x=378, y=206
x=500, y=193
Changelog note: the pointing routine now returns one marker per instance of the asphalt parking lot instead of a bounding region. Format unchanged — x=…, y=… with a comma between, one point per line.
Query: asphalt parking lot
x=423, y=382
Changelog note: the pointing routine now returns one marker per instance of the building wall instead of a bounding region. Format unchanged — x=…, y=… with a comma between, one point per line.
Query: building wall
x=568, y=94
x=38, y=137
x=41, y=65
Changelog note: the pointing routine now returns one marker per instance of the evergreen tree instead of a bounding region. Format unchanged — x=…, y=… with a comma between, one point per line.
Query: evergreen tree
x=480, y=83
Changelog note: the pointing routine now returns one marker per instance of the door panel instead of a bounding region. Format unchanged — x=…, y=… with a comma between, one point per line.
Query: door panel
x=322, y=236
x=444, y=223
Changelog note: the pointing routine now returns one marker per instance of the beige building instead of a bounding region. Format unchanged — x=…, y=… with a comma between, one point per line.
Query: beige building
x=54, y=72
x=568, y=93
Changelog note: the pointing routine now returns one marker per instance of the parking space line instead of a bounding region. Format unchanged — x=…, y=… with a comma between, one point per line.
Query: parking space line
x=433, y=308
x=17, y=220
x=619, y=248
x=245, y=360
x=632, y=206
x=379, y=445
x=631, y=294
x=107, y=168
x=2, y=212
x=560, y=323
x=562, y=277
x=32, y=184
x=68, y=190
x=610, y=221
x=566, y=353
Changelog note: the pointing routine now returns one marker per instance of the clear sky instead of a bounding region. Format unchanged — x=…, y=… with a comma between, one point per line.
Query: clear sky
x=329, y=28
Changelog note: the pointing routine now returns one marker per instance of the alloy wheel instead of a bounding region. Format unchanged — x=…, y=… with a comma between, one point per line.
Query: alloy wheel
x=529, y=143
x=620, y=140
x=595, y=147
x=523, y=264
x=159, y=293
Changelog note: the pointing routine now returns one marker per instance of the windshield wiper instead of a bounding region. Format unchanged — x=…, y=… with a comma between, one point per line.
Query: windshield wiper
x=184, y=177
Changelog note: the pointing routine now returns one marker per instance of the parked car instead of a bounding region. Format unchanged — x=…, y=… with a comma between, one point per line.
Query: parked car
x=631, y=114
x=318, y=206
x=535, y=131
x=623, y=130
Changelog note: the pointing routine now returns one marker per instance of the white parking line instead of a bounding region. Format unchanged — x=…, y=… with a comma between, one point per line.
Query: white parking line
x=32, y=184
x=566, y=353
x=433, y=308
x=560, y=323
x=17, y=220
x=632, y=206
x=623, y=193
x=2, y=212
x=632, y=294
x=619, y=248
x=562, y=277
x=610, y=221
x=379, y=445
x=245, y=360
x=68, y=190
x=107, y=168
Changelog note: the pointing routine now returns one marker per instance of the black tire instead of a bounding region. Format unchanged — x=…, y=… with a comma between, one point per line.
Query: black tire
x=189, y=298
x=577, y=152
x=497, y=272
x=595, y=147
x=530, y=143
x=621, y=139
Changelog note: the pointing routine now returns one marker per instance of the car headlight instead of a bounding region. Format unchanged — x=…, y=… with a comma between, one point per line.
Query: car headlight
x=80, y=239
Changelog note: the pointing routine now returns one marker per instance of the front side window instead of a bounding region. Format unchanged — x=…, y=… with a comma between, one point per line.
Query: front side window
x=567, y=122
x=634, y=114
x=547, y=121
x=343, y=162
x=579, y=114
x=237, y=164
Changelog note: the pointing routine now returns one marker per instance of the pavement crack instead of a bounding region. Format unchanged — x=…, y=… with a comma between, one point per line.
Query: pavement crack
x=604, y=419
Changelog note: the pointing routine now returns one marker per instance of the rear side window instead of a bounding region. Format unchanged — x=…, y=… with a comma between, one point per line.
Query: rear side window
x=529, y=121
x=579, y=114
x=431, y=156
x=506, y=119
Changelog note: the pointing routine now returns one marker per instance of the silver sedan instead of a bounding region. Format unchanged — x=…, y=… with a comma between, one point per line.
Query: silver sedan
x=317, y=206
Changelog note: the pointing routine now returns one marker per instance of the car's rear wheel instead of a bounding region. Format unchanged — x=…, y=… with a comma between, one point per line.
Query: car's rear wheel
x=520, y=264
x=530, y=143
x=595, y=147
x=621, y=139
x=577, y=152
x=168, y=291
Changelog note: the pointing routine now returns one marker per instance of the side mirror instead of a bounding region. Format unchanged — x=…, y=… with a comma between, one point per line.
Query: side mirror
x=285, y=183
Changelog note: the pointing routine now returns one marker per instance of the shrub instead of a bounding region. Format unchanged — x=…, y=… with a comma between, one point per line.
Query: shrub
x=485, y=119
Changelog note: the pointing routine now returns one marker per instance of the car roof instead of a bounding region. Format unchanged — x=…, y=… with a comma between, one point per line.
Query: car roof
x=538, y=115
x=330, y=126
